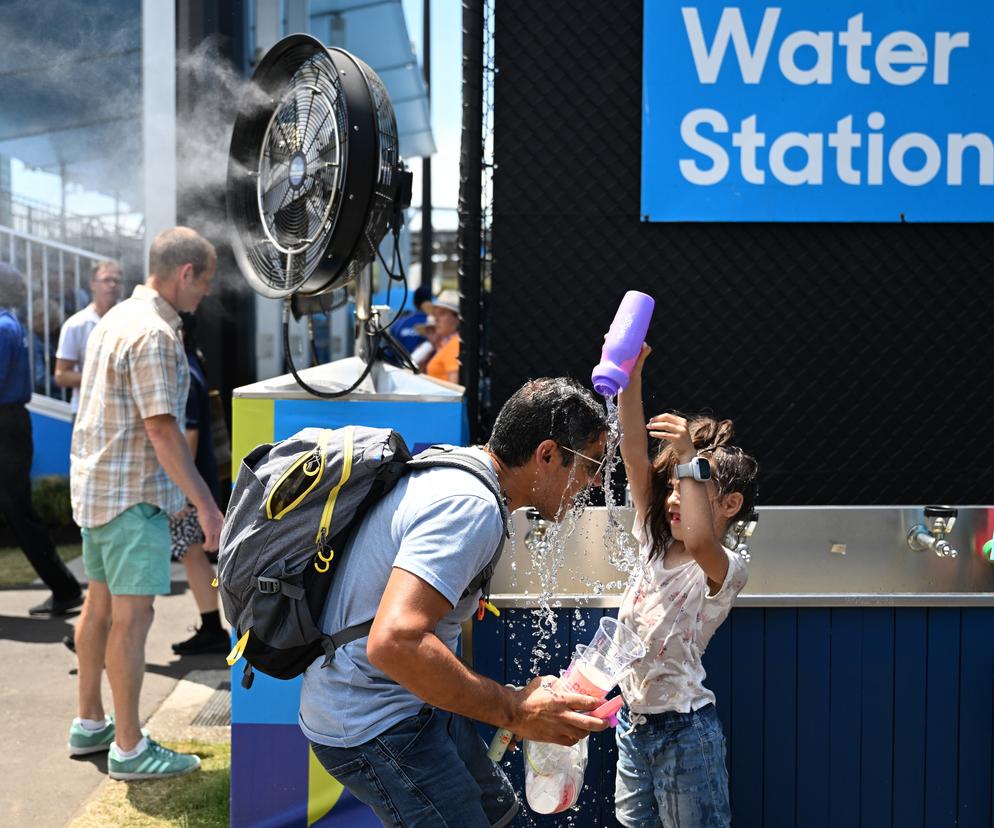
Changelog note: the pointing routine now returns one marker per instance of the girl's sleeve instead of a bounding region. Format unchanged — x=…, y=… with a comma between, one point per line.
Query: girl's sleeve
x=735, y=578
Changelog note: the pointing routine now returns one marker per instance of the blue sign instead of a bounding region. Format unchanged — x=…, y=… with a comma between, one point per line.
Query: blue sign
x=818, y=111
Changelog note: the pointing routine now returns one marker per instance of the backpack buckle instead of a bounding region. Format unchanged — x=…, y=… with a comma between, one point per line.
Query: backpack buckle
x=269, y=586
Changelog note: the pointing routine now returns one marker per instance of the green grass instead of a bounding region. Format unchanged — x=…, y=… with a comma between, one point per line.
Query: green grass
x=197, y=799
x=16, y=571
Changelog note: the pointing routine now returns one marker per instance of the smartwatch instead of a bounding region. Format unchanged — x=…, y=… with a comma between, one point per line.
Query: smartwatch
x=698, y=468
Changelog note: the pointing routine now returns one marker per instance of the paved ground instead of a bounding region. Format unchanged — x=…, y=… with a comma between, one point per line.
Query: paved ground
x=41, y=785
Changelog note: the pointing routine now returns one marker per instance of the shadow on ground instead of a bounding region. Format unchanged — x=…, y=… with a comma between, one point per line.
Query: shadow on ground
x=34, y=629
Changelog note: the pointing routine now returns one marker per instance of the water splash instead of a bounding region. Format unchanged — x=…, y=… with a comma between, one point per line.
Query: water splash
x=622, y=552
x=546, y=544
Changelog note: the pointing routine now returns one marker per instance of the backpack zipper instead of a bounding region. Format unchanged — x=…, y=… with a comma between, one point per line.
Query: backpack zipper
x=321, y=539
x=315, y=472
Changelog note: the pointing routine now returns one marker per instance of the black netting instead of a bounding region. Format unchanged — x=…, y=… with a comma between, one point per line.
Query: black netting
x=854, y=358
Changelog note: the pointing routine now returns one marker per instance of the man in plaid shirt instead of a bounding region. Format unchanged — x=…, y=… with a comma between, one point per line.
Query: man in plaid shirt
x=130, y=469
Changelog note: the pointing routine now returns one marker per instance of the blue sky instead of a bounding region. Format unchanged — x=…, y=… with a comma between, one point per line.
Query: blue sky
x=446, y=102
x=446, y=116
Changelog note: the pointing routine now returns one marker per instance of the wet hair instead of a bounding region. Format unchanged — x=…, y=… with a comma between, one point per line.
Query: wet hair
x=732, y=470
x=179, y=246
x=13, y=290
x=556, y=408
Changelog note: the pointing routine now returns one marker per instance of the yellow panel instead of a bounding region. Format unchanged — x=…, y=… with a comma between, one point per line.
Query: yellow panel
x=252, y=424
x=323, y=790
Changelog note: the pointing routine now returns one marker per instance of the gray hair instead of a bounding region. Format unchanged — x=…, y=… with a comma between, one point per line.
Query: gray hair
x=179, y=246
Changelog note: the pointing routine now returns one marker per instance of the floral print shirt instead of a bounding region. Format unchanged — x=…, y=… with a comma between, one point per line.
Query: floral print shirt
x=675, y=616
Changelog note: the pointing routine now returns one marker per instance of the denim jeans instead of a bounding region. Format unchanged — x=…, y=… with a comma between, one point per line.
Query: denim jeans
x=430, y=770
x=671, y=770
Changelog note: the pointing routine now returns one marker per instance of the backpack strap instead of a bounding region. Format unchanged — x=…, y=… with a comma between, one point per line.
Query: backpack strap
x=436, y=457
x=459, y=458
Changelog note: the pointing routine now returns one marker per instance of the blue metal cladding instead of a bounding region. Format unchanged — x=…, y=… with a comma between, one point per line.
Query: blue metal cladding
x=847, y=716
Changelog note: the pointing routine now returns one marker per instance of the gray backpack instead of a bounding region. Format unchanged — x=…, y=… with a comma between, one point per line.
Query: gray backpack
x=292, y=511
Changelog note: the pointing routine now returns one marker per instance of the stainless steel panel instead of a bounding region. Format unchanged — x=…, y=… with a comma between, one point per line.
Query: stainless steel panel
x=801, y=556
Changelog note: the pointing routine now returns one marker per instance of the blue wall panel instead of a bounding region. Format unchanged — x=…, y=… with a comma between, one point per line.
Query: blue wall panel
x=747, y=711
x=780, y=718
x=909, y=716
x=877, y=729
x=813, y=705
x=942, y=716
x=844, y=718
x=851, y=716
x=976, y=724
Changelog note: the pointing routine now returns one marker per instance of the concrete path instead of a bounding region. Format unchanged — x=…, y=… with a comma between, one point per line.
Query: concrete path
x=41, y=786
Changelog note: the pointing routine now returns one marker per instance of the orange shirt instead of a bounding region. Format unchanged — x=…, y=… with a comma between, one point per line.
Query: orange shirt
x=446, y=360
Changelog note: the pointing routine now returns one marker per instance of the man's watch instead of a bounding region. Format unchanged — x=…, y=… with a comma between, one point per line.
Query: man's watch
x=698, y=468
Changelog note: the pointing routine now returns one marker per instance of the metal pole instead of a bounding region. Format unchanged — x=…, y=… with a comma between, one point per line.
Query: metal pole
x=427, y=234
x=470, y=194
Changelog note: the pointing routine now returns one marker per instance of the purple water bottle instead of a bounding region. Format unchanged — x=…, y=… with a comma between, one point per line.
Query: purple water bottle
x=623, y=343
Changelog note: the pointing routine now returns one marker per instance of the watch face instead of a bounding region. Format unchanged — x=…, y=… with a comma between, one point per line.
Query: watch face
x=702, y=468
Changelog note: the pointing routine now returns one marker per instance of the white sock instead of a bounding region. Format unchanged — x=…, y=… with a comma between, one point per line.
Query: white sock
x=129, y=754
x=92, y=724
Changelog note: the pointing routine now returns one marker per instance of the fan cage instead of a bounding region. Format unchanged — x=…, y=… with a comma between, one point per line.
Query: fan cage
x=313, y=171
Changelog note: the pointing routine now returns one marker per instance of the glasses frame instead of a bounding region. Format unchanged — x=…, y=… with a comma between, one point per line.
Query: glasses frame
x=597, y=465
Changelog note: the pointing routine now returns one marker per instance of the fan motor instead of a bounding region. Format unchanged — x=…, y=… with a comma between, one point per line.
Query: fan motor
x=314, y=174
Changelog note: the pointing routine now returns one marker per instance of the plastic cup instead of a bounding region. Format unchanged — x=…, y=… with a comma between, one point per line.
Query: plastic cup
x=599, y=665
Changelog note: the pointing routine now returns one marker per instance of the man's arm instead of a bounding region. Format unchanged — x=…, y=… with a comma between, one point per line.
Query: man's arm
x=403, y=645
x=174, y=454
x=66, y=375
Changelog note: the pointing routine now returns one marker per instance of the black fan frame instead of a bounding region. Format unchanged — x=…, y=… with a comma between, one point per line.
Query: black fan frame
x=370, y=192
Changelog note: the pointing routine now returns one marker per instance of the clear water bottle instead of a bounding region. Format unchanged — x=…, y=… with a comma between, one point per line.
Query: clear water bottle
x=623, y=343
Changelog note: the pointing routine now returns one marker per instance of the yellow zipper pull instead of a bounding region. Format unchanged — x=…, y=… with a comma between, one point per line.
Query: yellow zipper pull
x=238, y=649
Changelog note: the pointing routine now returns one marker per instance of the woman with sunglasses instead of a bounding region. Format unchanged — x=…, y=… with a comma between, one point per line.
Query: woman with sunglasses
x=671, y=749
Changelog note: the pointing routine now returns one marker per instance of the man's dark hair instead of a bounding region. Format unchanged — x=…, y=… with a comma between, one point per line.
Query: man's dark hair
x=179, y=246
x=556, y=408
x=13, y=291
x=421, y=295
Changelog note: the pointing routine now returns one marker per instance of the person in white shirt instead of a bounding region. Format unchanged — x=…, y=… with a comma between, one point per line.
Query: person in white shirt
x=105, y=288
x=671, y=748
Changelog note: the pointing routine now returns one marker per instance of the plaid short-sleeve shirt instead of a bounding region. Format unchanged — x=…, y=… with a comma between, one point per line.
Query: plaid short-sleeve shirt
x=135, y=368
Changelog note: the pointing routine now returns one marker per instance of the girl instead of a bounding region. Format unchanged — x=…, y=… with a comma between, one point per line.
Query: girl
x=671, y=749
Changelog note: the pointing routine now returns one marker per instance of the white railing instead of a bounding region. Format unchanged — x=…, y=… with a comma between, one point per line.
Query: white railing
x=57, y=278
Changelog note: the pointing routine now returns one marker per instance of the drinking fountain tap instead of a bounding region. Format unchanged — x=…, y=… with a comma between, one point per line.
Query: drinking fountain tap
x=738, y=535
x=537, y=529
x=939, y=520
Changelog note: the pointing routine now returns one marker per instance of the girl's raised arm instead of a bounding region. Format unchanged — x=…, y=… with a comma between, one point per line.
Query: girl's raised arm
x=634, y=439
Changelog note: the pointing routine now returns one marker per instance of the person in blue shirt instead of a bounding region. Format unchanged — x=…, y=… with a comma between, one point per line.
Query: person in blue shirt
x=16, y=450
x=405, y=328
x=184, y=527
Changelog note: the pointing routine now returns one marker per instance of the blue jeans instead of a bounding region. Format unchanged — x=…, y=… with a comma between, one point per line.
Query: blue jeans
x=428, y=770
x=671, y=770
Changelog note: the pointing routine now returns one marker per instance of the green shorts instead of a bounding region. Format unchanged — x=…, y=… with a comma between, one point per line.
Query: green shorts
x=131, y=552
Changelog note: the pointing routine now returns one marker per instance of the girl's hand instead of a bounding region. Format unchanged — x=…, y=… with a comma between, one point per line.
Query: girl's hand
x=673, y=429
x=646, y=350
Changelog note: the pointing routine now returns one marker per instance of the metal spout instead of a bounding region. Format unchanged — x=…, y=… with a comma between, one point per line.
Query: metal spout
x=939, y=520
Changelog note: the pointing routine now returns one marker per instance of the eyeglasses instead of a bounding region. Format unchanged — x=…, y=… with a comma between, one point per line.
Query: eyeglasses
x=594, y=467
x=111, y=281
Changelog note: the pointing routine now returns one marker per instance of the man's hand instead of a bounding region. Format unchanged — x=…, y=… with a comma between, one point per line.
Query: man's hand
x=673, y=429
x=210, y=520
x=544, y=715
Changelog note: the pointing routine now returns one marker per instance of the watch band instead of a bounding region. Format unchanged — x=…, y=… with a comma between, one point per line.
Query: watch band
x=697, y=469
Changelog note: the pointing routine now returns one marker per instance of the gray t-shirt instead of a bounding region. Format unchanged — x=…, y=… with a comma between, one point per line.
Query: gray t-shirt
x=442, y=525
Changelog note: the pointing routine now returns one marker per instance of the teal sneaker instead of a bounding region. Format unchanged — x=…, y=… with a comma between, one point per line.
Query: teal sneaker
x=155, y=762
x=83, y=741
